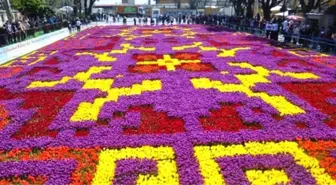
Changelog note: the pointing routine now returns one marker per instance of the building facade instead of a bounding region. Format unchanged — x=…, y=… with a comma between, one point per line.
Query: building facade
x=172, y=3
x=3, y=13
x=186, y=3
x=114, y=6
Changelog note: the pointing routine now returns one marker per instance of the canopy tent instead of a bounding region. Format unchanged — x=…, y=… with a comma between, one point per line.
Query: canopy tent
x=282, y=14
x=295, y=17
x=278, y=8
x=65, y=9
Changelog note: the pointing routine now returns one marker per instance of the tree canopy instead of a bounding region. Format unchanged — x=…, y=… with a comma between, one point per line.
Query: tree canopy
x=31, y=8
x=309, y=5
x=267, y=5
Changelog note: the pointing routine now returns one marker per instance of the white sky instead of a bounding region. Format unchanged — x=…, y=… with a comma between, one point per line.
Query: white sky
x=100, y=2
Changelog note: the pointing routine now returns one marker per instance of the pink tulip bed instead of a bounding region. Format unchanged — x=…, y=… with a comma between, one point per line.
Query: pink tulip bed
x=168, y=105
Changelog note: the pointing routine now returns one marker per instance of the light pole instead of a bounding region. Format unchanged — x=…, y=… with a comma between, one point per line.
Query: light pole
x=8, y=10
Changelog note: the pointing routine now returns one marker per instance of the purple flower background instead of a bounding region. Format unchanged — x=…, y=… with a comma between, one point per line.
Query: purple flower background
x=177, y=98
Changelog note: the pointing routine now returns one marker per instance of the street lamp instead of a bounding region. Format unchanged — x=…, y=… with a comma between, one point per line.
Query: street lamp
x=8, y=10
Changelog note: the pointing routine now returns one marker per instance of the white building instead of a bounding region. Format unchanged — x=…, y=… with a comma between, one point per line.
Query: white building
x=112, y=6
x=3, y=14
x=122, y=2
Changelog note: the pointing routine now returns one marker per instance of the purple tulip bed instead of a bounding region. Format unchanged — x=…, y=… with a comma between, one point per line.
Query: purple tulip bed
x=168, y=105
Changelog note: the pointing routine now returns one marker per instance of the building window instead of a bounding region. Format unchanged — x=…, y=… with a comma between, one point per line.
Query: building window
x=124, y=1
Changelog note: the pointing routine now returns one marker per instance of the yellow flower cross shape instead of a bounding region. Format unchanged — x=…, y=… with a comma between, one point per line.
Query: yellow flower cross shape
x=89, y=111
x=223, y=52
x=169, y=62
x=248, y=81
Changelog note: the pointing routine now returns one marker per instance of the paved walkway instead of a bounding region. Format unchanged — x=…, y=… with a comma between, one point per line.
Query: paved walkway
x=16, y=50
x=19, y=49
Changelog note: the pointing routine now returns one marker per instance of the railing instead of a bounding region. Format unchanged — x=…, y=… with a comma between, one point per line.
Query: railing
x=7, y=39
x=315, y=43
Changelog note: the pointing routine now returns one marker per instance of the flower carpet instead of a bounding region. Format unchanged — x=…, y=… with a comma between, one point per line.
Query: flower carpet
x=168, y=105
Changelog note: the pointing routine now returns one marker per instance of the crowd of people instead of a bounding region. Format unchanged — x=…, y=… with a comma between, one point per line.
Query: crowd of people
x=305, y=35
x=19, y=29
x=295, y=32
x=299, y=33
x=14, y=31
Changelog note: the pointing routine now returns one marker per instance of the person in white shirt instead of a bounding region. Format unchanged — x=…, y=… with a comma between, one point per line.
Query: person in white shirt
x=78, y=25
x=296, y=34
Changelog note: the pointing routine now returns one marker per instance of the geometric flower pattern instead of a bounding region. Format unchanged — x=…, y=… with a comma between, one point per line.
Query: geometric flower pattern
x=166, y=172
x=168, y=105
x=207, y=156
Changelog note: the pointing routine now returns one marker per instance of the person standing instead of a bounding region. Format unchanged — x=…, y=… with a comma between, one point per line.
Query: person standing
x=290, y=32
x=152, y=21
x=134, y=20
x=69, y=27
x=144, y=21
x=19, y=30
x=124, y=20
x=14, y=31
x=296, y=34
x=321, y=39
x=268, y=28
x=3, y=35
x=78, y=25
x=285, y=27
x=315, y=33
x=334, y=38
x=328, y=39
x=276, y=30
x=23, y=29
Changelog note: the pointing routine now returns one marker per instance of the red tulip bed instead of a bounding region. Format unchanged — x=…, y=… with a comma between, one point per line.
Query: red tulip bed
x=168, y=105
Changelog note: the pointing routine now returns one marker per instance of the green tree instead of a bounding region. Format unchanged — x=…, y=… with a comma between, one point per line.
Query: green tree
x=238, y=6
x=267, y=5
x=241, y=7
x=54, y=4
x=309, y=5
x=30, y=8
x=194, y=4
x=91, y=3
x=249, y=8
x=86, y=7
